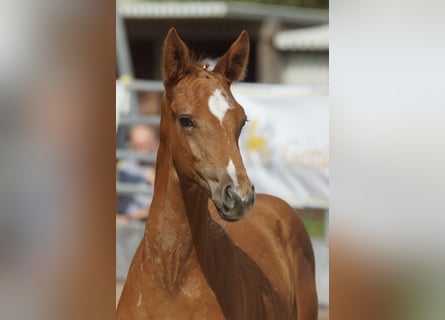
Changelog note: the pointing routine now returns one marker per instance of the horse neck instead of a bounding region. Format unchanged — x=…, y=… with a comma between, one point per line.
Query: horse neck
x=177, y=220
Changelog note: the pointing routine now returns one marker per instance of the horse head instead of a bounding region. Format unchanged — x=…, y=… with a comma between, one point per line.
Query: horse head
x=202, y=121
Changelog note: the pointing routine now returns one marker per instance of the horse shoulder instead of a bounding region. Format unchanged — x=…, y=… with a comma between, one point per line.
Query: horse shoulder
x=287, y=225
x=277, y=217
x=274, y=236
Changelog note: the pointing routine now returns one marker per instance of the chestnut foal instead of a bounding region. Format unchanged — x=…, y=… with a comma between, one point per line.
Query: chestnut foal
x=192, y=263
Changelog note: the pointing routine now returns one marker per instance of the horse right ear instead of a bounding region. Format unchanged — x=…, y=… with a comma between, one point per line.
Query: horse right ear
x=176, y=58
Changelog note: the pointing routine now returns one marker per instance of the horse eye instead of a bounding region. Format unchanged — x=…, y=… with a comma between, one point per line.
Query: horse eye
x=185, y=122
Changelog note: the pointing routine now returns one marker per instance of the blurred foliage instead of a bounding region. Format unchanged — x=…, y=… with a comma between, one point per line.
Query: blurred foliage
x=314, y=227
x=324, y=4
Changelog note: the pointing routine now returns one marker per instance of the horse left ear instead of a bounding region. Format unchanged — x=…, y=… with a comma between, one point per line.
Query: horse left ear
x=176, y=58
x=233, y=63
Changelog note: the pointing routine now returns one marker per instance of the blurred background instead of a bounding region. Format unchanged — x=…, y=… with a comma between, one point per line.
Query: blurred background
x=285, y=146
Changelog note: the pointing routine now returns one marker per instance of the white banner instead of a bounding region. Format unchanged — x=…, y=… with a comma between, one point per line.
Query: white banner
x=122, y=101
x=285, y=144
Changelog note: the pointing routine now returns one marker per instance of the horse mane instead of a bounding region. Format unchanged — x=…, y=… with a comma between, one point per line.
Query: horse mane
x=200, y=61
x=197, y=64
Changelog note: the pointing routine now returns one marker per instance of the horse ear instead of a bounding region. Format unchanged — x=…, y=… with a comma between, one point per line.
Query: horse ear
x=233, y=63
x=176, y=58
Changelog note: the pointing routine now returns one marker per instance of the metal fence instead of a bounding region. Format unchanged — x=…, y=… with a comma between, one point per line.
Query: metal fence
x=133, y=117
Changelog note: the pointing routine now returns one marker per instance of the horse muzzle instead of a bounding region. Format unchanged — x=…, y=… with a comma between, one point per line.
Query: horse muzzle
x=233, y=204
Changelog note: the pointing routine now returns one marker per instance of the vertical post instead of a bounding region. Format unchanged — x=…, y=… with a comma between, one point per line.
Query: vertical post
x=158, y=44
x=124, y=69
x=269, y=63
x=123, y=58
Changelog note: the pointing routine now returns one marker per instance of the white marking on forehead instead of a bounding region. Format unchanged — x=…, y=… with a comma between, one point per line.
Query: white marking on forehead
x=232, y=173
x=218, y=104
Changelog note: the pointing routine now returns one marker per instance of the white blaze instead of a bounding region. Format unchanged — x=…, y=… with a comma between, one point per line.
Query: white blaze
x=218, y=104
x=232, y=173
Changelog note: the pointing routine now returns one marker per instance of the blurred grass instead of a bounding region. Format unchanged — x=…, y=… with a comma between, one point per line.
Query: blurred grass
x=314, y=221
x=315, y=228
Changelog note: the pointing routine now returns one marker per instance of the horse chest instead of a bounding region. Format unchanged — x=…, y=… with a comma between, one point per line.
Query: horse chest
x=146, y=295
x=192, y=299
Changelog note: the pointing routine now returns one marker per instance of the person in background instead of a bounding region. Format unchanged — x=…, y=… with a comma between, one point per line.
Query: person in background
x=143, y=140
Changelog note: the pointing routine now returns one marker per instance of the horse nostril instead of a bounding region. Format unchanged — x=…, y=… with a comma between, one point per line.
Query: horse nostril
x=252, y=201
x=227, y=192
x=252, y=198
x=230, y=197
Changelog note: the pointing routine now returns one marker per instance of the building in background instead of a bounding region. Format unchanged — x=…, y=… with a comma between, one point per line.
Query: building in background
x=304, y=55
x=210, y=27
